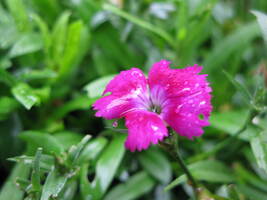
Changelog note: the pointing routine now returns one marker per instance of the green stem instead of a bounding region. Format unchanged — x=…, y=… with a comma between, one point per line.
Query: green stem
x=178, y=157
x=185, y=169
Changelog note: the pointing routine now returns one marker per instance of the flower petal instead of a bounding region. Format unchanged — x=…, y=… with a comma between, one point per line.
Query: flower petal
x=124, y=90
x=144, y=128
x=126, y=82
x=111, y=107
x=188, y=115
x=176, y=82
x=184, y=97
x=186, y=124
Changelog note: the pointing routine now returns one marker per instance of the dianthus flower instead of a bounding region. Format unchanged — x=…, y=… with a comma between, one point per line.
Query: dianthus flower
x=179, y=98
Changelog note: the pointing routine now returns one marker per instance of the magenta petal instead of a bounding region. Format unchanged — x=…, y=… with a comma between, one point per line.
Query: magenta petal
x=125, y=89
x=126, y=82
x=111, y=107
x=144, y=128
x=187, y=115
x=187, y=100
x=186, y=124
x=176, y=82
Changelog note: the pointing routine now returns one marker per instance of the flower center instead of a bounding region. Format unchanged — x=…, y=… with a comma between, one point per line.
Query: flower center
x=153, y=100
x=155, y=108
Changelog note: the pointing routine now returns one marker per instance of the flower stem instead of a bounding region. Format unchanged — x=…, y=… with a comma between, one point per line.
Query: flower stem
x=185, y=169
x=178, y=157
x=172, y=148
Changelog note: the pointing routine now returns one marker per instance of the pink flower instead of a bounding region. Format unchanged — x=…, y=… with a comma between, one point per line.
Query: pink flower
x=179, y=98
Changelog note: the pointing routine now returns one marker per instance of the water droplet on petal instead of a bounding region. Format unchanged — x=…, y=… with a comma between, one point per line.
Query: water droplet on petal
x=167, y=86
x=186, y=89
x=202, y=103
x=135, y=73
x=115, y=124
x=155, y=128
x=177, y=110
x=190, y=101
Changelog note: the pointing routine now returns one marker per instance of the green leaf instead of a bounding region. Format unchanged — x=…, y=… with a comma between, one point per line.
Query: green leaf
x=49, y=9
x=209, y=170
x=101, y=64
x=70, y=138
x=146, y=25
x=251, y=192
x=113, y=48
x=7, y=106
x=36, y=176
x=7, y=78
x=133, y=188
x=262, y=20
x=46, y=36
x=9, y=189
x=232, y=192
x=232, y=43
x=5, y=63
x=25, y=95
x=76, y=45
x=241, y=88
x=249, y=176
x=10, y=145
x=27, y=43
x=231, y=122
x=38, y=139
x=18, y=11
x=108, y=164
x=46, y=161
x=59, y=35
x=9, y=34
x=54, y=184
x=23, y=184
x=95, y=88
x=259, y=148
x=69, y=192
x=87, y=190
x=92, y=150
x=156, y=164
x=33, y=74
x=79, y=103
x=75, y=150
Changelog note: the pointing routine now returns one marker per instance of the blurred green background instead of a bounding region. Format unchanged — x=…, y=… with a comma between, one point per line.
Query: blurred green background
x=57, y=56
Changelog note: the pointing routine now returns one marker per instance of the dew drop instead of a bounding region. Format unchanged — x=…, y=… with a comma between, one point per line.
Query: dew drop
x=186, y=89
x=256, y=120
x=135, y=73
x=190, y=101
x=115, y=124
x=178, y=108
x=167, y=86
x=202, y=103
x=155, y=128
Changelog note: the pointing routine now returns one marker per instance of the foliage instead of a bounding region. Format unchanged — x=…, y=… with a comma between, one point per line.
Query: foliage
x=57, y=56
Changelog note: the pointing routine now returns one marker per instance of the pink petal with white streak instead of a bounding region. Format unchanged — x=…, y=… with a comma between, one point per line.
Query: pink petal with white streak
x=144, y=128
x=124, y=90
